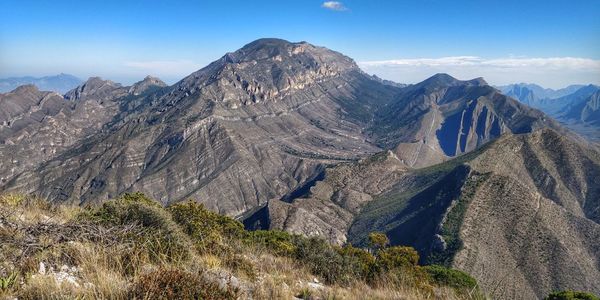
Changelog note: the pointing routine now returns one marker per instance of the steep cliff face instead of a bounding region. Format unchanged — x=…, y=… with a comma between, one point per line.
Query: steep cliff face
x=443, y=117
x=520, y=214
x=523, y=94
x=585, y=111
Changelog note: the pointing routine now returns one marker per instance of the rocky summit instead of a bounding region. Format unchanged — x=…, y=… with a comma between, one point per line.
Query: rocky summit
x=296, y=137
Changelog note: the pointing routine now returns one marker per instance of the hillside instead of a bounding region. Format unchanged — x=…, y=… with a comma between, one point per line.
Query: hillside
x=520, y=214
x=37, y=126
x=132, y=248
x=60, y=83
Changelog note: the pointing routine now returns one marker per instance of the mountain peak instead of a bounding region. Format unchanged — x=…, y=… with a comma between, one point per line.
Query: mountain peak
x=443, y=79
x=93, y=86
x=478, y=81
x=266, y=69
x=144, y=85
x=26, y=88
x=267, y=42
x=95, y=81
x=281, y=50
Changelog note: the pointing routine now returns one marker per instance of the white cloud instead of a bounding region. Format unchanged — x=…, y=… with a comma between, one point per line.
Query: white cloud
x=551, y=72
x=334, y=5
x=164, y=67
x=552, y=62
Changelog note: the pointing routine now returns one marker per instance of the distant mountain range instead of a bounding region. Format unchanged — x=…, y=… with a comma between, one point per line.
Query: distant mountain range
x=60, y=83
x=576, y=106
x=521, y=89
x=296, y=137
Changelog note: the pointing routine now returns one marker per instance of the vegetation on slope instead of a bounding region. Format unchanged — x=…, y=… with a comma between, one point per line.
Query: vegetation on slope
x=571, y=295
x=132, y=247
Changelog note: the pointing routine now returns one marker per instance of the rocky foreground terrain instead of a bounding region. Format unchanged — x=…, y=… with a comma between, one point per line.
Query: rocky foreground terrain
x=296, y=137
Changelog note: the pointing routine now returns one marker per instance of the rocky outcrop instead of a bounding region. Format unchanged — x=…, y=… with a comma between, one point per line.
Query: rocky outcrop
x=149, y=83
x=97, y=89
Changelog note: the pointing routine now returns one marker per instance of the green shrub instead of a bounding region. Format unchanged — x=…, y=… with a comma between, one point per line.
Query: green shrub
x=176, y=284
x=160, y=238
x=8, y=281
x=455, y=279
x=363, y=261
x=571, y=295
x=278, y=242
x=398, y=257
x=378, y=240
x=325, y=261
x=211, y=232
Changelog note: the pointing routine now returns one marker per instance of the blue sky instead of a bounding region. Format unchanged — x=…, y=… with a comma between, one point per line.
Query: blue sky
x=553, y=43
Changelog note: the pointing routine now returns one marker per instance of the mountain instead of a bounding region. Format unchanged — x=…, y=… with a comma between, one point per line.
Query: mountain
x=442, y=117
x=249, y=127
x=521, y=214
x=296, y=137
x=526, y=92
x=60, y=83
x=576, y=102
x=588, y=111
x=567, y=105
x=36, y=125
x=261, y=122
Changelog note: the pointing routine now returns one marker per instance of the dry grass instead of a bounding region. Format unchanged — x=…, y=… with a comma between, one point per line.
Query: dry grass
x=123, y=258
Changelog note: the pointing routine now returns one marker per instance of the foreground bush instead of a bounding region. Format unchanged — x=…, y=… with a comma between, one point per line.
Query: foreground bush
x=458, y=280
x=571, y=295
x=176, y=284
x=160, y=238
x=210, y=231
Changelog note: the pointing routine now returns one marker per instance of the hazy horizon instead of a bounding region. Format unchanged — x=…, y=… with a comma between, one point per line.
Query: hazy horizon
x=132, y=81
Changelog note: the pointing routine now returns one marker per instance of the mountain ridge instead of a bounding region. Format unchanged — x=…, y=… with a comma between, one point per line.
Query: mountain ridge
x=296, y=137
x=539, y=180
x=60, y=83
x=275, y=101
